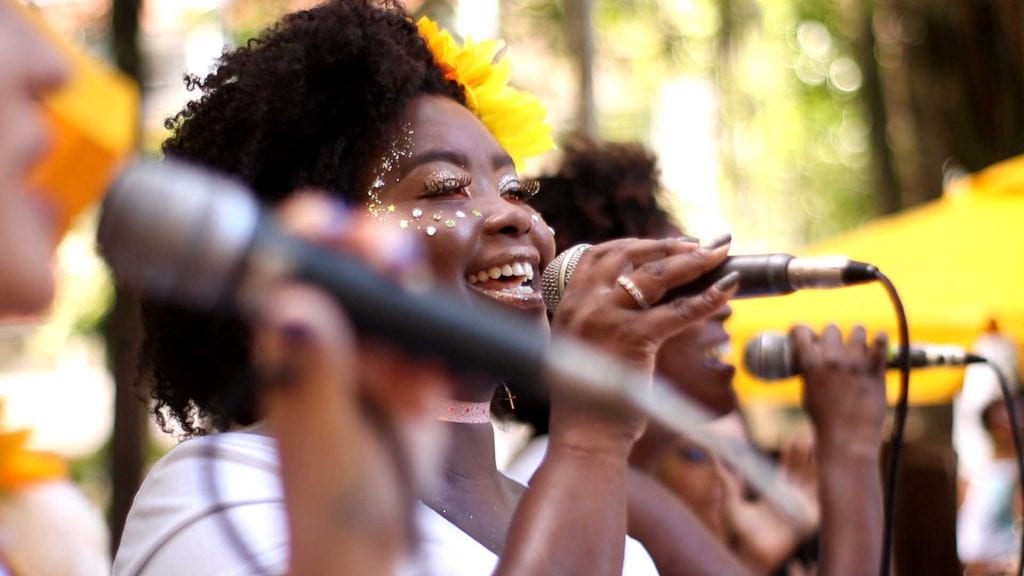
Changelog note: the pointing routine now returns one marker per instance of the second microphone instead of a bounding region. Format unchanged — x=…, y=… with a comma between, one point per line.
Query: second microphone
x=769, y=356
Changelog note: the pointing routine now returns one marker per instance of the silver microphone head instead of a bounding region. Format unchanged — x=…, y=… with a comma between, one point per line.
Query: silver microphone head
x=175, y=231
x=558, y=273
x=769, y=356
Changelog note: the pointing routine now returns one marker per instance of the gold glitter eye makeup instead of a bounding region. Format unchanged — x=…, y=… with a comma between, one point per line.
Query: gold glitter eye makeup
x=522, y=190
x=445, y=182
x=399, y=149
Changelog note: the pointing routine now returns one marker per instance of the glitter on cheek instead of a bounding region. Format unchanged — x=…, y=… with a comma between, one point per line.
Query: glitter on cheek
x=449, y=223
x=400, y=147
x=416, y=213
x=460, y=214
x=477, y=213
x=431, y=230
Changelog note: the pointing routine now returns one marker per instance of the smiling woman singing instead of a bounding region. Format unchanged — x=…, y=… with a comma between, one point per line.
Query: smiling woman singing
x=423, y=136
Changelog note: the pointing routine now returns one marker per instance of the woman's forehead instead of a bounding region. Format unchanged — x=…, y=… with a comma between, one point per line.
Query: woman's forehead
x=440, y=123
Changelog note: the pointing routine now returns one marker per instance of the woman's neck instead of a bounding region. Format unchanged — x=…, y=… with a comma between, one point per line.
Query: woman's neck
x=471, y=454
x=472, y=494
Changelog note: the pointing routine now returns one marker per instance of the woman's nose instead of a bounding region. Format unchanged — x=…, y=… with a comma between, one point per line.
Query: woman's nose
x=504, y=217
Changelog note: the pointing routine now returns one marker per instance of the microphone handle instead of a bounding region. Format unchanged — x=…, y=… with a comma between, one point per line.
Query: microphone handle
x=477, y=338
x=760, y=275
x=928, y=357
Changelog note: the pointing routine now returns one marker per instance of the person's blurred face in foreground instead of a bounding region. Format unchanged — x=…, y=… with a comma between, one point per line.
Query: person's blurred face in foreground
x=29, y=67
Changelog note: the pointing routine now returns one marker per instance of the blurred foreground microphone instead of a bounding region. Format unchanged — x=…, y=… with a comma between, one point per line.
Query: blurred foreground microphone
x=769, y=356
x=176, y=232
x=760, y=274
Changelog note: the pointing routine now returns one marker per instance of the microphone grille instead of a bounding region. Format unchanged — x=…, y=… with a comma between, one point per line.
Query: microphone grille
x=175, y=231
x=768, y=356
x=558, y=273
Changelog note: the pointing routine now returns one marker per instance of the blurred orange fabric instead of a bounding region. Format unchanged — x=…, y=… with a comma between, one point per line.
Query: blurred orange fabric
x=94, y=121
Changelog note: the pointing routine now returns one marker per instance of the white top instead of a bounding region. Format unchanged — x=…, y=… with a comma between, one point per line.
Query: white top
x=446, y=549
x=176, y=526
x=190, y=502
x=984, y=523
x=52, y=529
x=981, y=386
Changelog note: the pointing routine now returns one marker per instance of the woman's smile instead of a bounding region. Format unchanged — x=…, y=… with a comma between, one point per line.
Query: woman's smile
x=509, y=279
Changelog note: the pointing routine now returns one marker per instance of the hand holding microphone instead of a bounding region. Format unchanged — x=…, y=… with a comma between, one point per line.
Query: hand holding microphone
x=613, y=301
x=771, y=356
x=759, y=275
x=616, y=295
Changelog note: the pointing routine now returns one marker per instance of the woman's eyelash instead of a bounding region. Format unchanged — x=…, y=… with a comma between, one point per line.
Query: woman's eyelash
x=446, y=184
x=521, y=189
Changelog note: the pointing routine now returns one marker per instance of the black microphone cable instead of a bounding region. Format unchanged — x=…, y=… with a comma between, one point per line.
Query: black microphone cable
x=899, y=422
x=1018, y=441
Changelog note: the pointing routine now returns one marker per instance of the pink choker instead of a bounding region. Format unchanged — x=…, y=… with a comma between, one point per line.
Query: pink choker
x=465, y=412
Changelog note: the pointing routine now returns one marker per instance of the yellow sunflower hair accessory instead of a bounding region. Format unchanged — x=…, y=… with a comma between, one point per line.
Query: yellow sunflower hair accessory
x=516, y=119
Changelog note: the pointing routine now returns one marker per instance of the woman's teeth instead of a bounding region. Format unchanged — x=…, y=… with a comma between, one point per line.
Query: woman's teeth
x=716, y=352
x=518, y=277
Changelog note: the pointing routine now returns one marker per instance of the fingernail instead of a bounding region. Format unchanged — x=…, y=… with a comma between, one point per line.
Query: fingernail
x=689, y=239
x=296, y=335
x=727, y=282
x=719, y=241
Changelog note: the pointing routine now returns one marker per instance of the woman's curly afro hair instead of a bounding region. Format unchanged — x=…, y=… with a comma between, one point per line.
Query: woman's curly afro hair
x=311, y=102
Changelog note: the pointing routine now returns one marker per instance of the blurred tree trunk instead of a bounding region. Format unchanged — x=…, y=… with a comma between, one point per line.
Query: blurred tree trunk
x=953, y=72
x=122, y=330
x=857, y=16
x=580, y=31
x=725, y=55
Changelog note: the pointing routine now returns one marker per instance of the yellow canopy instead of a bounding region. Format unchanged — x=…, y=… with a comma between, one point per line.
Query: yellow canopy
x=94, y=121
x=957, y=262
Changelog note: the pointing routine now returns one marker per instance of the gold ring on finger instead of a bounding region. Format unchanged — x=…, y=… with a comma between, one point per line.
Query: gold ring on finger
x=633, y=292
